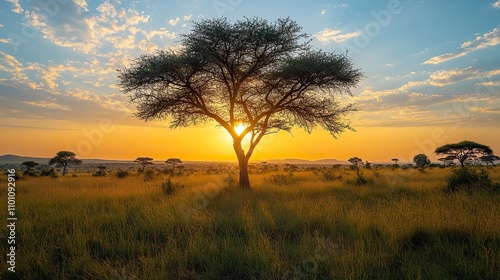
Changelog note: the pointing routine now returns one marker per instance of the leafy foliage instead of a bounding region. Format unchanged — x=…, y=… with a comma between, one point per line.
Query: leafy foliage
x=464, y=150
x=469, y=179
x=65, y=158
x=144, y=161
x=421, y=161
x=122, y=174
x=265, y=75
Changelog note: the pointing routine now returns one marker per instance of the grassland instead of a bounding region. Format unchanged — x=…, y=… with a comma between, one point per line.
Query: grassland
x=399, y=226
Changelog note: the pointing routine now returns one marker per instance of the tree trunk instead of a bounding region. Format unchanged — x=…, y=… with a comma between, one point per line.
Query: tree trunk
x=64, y=169
x=243, y=164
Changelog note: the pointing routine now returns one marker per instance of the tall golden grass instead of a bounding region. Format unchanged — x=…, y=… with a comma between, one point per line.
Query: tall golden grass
x=401, y=225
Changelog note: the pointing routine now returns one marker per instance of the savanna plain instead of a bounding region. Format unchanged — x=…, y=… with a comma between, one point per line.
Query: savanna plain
x=310, y=222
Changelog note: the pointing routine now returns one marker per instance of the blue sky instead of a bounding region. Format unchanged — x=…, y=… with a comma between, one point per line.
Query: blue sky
x=427, y=63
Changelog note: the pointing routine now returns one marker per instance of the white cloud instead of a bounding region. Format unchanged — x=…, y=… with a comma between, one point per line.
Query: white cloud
x=132, y=17
x=107, y=10
x=48, y=105
x=496, y=4
x=489, y=39
x=174, y=21
x=160, y=32
x=447, y=77
x=323, y=12
x=17, y=7
x=187, y=17
x=82, y=4
x=147, y=46
x=327, y=35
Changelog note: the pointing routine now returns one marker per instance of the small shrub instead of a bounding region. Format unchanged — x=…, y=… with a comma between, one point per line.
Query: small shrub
x=361, y=180
x=469, y=179
x=149, y=175
x=48, y=172
x=330, y=176
x=31, y=173
x=74, y=175
x=122, y=174
x=100, y=173
x=281, y=179
x=168, y=187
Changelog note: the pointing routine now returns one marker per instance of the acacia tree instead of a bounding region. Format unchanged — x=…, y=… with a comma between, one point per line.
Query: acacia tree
x=421, y=161
x=173, y=162
x=65, y=158
x=395, y=161
x=29, y=165
x=144, y=161
x=489, y=159
x=264, y=76
x=355, y=161
x=464, y=150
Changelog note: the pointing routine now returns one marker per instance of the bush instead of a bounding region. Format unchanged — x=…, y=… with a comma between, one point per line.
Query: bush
x=31, y=173
x=48, y=172
x=469, y=179
x=122, y=174
x=149, y=175
x=168, y=187
x=330, y=176
x=100, y=173
x=281, y=179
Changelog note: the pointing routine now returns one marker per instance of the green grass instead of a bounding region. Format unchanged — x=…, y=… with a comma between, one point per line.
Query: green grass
x=402, y=225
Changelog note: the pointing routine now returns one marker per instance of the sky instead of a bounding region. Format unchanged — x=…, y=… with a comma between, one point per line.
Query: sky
x=432, y=76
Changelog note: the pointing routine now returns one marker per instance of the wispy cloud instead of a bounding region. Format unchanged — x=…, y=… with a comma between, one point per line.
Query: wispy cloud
x=174, y=21
x=328, y=34
x=489, y=39
x=496, y=4
x=17, y=7
x=48, y=105
x=449, y=77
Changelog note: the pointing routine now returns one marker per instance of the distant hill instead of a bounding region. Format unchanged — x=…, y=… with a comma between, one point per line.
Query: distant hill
x=13, y=159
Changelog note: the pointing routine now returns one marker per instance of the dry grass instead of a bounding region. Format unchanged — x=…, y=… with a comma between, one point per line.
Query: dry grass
x=401, y=225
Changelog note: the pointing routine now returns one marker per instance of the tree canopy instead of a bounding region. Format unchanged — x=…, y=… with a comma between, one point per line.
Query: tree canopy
x=264, y=76
x=144, y=161
x=29, y=164
x=421, y=161
x=173, y=162
x=65, y=158
x=464, y=150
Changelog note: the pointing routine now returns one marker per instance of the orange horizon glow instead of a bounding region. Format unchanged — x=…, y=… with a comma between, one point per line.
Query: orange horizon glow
x=206, y=143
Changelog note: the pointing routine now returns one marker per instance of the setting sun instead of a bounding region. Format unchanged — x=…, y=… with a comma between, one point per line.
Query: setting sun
x=239, y=128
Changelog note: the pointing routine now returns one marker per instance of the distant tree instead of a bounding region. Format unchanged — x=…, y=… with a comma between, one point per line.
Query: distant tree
x=29, y=164
x=464, y=150
x=490, y=159
x=356, y=161
x=443, y=160
x=368, y=165
x=173, y=162
x=101, y=171
x=65, y=158
x=421, y=161
x=251, y=77
x=395, y=161
x=450, y=160
x=144, y=161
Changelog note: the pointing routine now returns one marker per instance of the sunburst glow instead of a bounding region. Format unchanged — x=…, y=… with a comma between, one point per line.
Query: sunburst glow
x=239, y=128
